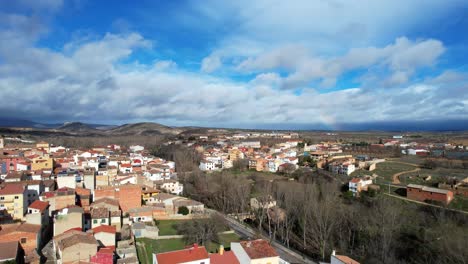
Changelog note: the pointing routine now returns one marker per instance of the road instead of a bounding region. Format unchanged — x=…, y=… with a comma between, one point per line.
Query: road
x=286, y=254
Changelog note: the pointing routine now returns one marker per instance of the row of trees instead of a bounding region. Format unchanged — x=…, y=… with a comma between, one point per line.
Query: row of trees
x=312, y=216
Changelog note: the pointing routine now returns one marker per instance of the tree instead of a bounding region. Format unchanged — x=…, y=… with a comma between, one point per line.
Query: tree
x=201, y=230
x=183, y=210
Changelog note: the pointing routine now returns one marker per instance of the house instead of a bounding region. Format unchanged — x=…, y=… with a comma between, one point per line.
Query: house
x=129, y=195
x=141, y=214
x=195, y=254
x=68, y=218
x=28, y=235
x=38, y=214
x=193, y=206
x=127, y=252
x=105, y=235
x=42, y=163
x=100, y=216
x=206, y=165
x=148, y=194
x=113, y=206
x=12, y=201
x=263, y=202
x=103, y=256
x=141, y=230
x=423, y=194
x=59, y=199
x=223, y=257
x=11, y=252
x=255, y=251
x=83, y=198
x=341, y=259
x=170, y=186
x=74, y=246
x=356, y=185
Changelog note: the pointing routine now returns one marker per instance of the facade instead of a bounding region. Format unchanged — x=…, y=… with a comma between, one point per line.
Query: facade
x=129, y=195
x=356, y=185
x=74, y=247
x=206, y=165
x=28, y=235
x=59, y=199
x=423, y=193
x=68, y=218
x=12, y=201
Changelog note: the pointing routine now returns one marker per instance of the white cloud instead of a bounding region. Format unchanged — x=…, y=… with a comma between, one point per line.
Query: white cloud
x=211, y=63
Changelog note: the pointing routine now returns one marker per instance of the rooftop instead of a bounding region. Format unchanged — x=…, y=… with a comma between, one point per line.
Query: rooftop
x=185, y=255
x=259, y=248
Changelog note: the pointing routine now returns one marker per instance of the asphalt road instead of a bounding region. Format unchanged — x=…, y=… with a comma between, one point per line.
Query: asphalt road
x=286, y=254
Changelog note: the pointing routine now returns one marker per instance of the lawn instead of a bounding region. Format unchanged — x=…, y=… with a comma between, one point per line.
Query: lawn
x=168, y=227
x=146, y=247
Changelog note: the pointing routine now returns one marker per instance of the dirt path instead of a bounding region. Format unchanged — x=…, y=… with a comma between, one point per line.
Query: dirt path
x=396, y=176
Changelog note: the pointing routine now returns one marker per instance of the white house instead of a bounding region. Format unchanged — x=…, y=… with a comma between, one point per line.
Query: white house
x=206, y=165
x=356, y=185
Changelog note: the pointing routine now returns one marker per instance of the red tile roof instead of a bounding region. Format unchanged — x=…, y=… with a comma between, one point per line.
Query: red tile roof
x=185, y=255
x=104, y=228
x=39, y=205
x=346, y=259
x=259, y=248
x=12, y=189
x=227, y=257
x=355, y=180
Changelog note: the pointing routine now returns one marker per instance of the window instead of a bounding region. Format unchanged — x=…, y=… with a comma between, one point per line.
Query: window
x=23, y=240
x=103, y=220
x=16, y=197
x=2, y=198
x=95, y=221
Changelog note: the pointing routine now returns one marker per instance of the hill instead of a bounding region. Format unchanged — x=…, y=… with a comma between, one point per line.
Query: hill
x=144, y=129
x=77, y=127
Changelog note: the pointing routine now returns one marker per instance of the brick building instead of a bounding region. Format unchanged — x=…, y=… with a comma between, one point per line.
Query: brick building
x=28, y=235
x=423, y=193
x=129, y=195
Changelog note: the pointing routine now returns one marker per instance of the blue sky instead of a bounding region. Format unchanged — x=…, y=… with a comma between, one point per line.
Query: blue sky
x=234, y=63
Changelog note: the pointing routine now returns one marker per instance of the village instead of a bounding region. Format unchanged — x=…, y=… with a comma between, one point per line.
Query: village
x=121, y=204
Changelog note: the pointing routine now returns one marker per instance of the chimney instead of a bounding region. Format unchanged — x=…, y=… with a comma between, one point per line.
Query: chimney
x=195, y=246
x=333, y=253
x=221, y=250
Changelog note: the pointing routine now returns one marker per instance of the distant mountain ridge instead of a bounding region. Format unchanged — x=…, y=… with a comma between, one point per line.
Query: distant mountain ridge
x=79, y=128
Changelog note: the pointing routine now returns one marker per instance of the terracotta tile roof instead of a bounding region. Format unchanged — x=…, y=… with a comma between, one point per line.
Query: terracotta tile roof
x=346, y=259
x=39, y=205
x=105, y=229
x=227, y=257
x=194, y=253
x=99, y=212
x=73, y=237
x=21, y=227
x=8, y=250
x=10, y=189
x=259, y=248
x=106, y=200
x=355, y=180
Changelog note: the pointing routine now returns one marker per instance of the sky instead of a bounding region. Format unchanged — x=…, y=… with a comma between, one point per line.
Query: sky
x=242, y=63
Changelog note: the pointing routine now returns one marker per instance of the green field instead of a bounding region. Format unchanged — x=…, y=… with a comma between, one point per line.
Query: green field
x=146, y=247
x=385, y=170
x=168, y=227
x=459, y=203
